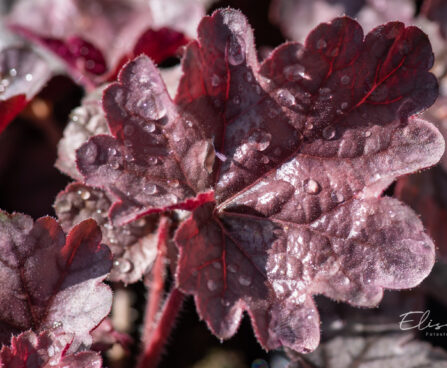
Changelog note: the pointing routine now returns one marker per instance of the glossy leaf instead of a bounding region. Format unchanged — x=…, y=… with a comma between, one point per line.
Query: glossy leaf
x=52, y=281
x=297, y=151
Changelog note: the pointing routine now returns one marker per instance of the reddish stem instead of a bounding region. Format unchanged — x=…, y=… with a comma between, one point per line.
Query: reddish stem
x=157, y=280
x=153, y=349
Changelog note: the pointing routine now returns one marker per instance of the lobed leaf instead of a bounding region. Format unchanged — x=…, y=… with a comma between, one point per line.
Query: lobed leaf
x=50, y=281
x=45, y=350
x=292, y=156
x=134, y=246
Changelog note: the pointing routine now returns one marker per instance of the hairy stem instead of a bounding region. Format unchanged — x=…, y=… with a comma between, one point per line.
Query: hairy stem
x=153, y=348
x=157, y=280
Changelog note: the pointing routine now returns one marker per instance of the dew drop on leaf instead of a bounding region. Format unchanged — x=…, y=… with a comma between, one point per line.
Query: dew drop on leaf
x=211, y=285
x=174, y=183
x=321, y=44
x=29, y=77
x=123, y=265
x=260, y=140
x=329, y=133
x=285, y=98
x=12, y=72
x=294, y=72
x=232, y=268
x=57, y=324
x=367, y=134
x=237, y=100
x=150, y=108
x=345, y=79
x=311, y=186
x=150, y=189
x=337, y=197
x=225, y=302
x=244, y=280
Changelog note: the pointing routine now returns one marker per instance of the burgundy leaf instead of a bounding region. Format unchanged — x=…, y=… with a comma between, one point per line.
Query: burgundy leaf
x=297, y=151
x=50, y=281
x=45, y=350
x=134, y=246
x=299, y=214
x=23, y=74
x=157, y=159
x=436, y=10
x=391, y=350
x=95, y=38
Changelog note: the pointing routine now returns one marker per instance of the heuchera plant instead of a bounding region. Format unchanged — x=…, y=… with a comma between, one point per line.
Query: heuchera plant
x=260, y=182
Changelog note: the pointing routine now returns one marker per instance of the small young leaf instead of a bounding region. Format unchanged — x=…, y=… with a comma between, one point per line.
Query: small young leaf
x=134, y=246
x=49, y=281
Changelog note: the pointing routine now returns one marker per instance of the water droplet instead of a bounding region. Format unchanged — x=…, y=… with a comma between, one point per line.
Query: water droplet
x=329, y=133
x=345, y=79
x=367, y=134
x=189, y=123
x=260, y=140
x=29, y=77
x=337, y=197
x=258, y=89
x=248, y=76
x=321, y=44
x=112, y=152
x=114, y=164
x=151, y=108
x=244, y=280
x=285, y=98
x=91, y=152
x=123, y=265
x=174, y=183
x=128, y=157
x=345, y=281
x=211, y=285
x=237, y=100
x=215, y=80
x=232, y=268
x=311, y=186
x=12, y=72
x=236, y=50
x=57, y=324
x=5, y=82
x=150, y=189
x=85, y=194
x=217, y=265
x=149, y=127
x=265, y=160
x=151, y=160
x=129, y=129
x=294, y=72
x=344, y=105
x=225, y=303
x=302, y=298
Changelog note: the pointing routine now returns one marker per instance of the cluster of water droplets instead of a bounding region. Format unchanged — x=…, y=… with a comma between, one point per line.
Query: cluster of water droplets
x=7, y=79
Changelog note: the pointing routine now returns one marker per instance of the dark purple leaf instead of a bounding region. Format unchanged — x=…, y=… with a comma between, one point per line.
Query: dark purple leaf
x=45, y=350
x=134, y=246
x=22, y=75
x=297, y=151
x=49, y=281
